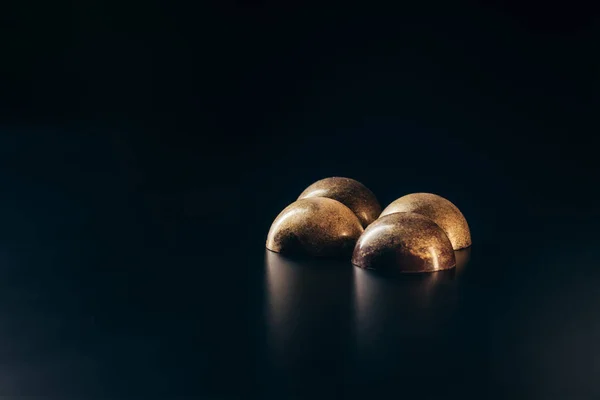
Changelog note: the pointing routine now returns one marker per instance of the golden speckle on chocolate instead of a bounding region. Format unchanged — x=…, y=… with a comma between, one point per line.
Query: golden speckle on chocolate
x=404, y=242
x=353, y=194
x=440, y=210
x=315, y=226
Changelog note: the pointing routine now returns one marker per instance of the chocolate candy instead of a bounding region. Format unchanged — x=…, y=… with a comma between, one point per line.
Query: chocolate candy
x=438, y=209
x=315, y=226
x=404, y=242
x=349, y=192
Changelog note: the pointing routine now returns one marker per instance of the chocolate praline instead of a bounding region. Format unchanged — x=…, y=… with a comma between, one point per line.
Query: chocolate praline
x=438, y=209
x=316, y=226
x=353, y=194
x=404, y=242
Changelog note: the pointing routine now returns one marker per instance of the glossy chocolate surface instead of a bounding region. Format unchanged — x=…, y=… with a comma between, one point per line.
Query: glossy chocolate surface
x=438, y=209
x=404, y=242
x=316, y=226
x=353, y=194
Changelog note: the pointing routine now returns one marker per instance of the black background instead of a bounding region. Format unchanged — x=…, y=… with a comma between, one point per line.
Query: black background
x=147, y=147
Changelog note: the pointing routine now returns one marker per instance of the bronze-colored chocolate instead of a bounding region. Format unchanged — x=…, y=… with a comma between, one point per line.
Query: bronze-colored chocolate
x=404, y=242
x=349, y=192
x=316, y=226
x=440, y=210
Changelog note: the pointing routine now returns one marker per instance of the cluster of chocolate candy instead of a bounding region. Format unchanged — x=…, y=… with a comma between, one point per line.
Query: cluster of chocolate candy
x=340, y=216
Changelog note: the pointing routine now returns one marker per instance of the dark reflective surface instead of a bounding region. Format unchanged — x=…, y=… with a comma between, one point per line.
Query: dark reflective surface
x=406, y=322
x=148, y=147
x=106, y=291
x=457, y=331
x=109, y=291
x=309, y=321
x=328, y=321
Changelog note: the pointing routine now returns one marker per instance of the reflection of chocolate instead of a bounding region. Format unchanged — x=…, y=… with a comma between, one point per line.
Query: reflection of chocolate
x=404, y=242
x=440, y=210
x=349, y=192
x=421, y=299
x=308, y=319
x=315, y=226
x=405, y=326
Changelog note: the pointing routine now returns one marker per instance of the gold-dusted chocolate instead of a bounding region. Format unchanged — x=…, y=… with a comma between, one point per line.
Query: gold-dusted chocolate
x=349, y=192
x=404, y=242
x=440, y=210
x=316, y=226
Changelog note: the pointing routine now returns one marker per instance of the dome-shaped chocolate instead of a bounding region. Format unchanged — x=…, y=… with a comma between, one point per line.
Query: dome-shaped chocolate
x=315, y=226
x=404, y=242
x=353, y=194
x=438, y=209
